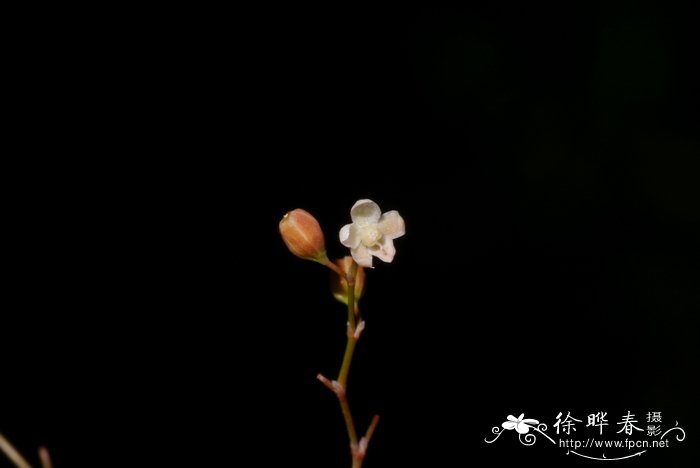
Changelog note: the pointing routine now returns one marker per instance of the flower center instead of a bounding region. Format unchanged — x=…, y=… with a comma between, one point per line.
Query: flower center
x=370, y=236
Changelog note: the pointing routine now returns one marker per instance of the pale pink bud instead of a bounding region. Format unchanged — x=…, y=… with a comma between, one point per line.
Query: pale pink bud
x=303, y=236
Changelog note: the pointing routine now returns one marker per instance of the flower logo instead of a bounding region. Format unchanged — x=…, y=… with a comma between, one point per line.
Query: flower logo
x=522, y=426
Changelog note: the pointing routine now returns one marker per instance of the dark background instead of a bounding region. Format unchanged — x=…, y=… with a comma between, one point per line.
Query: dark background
x=546, y=164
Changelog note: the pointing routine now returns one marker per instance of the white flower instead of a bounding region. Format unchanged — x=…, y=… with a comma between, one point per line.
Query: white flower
x=371, y=232
x=522, y=426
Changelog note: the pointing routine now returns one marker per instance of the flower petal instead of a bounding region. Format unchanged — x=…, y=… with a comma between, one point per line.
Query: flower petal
x=365, y=212
x=391, y=224
x=362, y=256
x=509, y=425
x=522, y=428
x=512, y=418
x=520, y=418
x=385, y=250
x=349, y=237
x=530, y=421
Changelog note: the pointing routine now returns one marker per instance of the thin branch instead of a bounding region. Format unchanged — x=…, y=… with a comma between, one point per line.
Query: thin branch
x=12, y=453
x=45, y=458
x=334, y=267
x=370, y=430
x=326, y=382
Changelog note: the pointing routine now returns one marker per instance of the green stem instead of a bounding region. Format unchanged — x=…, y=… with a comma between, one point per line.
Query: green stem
x=339, y=387
x=347, y=361
x=347, y=358
x=350, y=346
x=352, y=274
x=349, y=423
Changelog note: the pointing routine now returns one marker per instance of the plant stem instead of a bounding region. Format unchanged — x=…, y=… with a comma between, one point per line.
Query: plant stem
x=352, y=274
x=349, y=423
x=332, y=266
x=45, y=458
x=352, y=340
x=355, y=325
x=345, y=368
x=347, y=358
x=12, y=453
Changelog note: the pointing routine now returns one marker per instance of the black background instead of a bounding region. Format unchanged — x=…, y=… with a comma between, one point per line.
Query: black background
x=545, y=162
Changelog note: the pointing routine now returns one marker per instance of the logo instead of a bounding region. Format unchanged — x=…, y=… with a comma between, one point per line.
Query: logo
x=602, y=437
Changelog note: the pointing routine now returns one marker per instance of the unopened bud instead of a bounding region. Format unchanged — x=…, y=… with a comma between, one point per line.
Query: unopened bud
x=303, y=236
x=339, y=286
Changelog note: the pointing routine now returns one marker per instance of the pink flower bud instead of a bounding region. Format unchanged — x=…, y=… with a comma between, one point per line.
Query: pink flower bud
x=303, y=236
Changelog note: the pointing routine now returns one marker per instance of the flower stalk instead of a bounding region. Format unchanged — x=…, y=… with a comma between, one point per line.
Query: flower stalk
x=15, y=457
x=358, y=447
x=371, y=234
x=18, y=460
